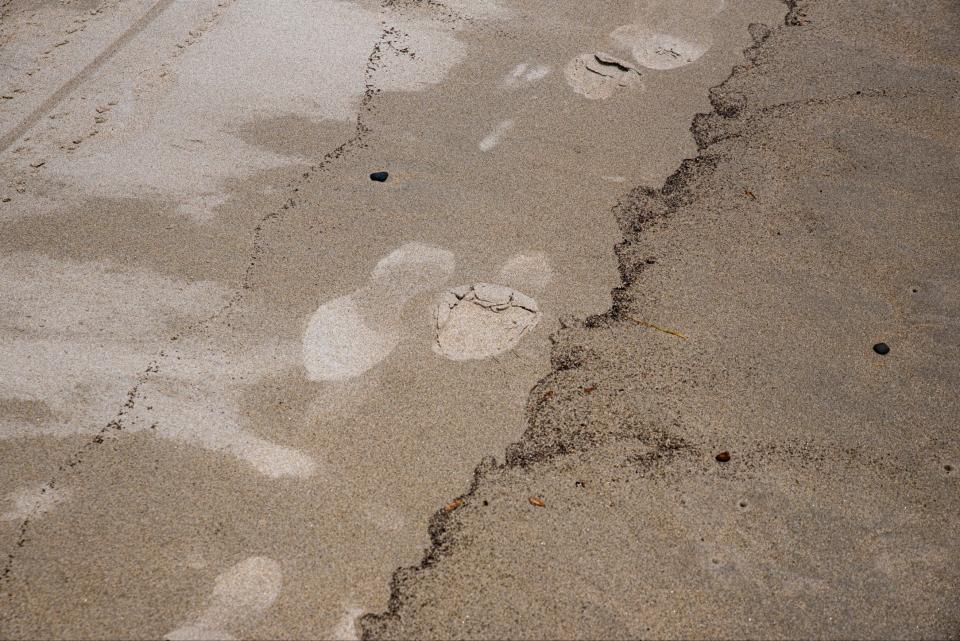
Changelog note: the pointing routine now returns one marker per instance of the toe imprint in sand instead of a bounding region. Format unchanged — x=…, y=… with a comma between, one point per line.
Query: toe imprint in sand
x=349, y=335
x=658, y=50
x=492, y=139
x=33, y=501
x=346, y=629
x=240, y=595
x=598, y=75
x=525, y=73
x=482, y=320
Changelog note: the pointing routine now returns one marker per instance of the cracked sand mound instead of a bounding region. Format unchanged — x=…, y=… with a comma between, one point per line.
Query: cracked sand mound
x=482, y=320
x=598, y=75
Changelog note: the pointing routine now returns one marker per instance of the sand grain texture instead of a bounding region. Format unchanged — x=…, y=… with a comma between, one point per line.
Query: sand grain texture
x=817, y=219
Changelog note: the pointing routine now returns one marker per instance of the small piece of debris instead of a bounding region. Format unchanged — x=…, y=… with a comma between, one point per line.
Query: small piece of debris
x=379, y=176
x=39, y=163
x=452, y=505
x=749, y=194
x=589, y=390
x=642, y=323
x=722, y=457
x=536, y=501
x=5, y=199
x=580, y=484
x=882, y=349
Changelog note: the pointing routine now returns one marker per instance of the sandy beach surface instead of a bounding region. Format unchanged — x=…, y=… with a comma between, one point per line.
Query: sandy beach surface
x=242, y=380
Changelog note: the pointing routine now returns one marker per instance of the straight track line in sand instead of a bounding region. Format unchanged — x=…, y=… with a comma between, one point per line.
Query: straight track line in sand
x=71, y=85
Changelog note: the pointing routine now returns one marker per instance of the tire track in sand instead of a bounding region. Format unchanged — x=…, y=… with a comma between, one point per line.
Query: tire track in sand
x=79, y=78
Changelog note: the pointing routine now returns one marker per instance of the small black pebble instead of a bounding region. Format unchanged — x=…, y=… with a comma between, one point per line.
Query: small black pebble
x=379, y=176
x=881, y=348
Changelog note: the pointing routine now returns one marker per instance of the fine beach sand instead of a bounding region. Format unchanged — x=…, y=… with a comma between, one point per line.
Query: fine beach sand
x=238, y=377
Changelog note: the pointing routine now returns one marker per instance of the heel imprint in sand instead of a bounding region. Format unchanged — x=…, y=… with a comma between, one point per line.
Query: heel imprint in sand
x=482, y=320
x=598, y=75
x=659, y=51
x=240, y=596
x=349, y=335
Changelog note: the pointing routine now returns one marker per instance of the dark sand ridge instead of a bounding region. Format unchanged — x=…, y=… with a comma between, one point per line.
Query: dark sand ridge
x=818, y=218
x=149, y=523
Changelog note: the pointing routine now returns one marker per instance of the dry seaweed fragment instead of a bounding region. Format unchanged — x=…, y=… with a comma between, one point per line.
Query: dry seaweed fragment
x=643, y=323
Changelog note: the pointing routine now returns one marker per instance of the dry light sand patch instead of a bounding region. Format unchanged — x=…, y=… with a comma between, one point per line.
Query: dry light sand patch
x=483, y=320
x=171, y=129
x=240, y=596
x=33, y=501
x=349, y=335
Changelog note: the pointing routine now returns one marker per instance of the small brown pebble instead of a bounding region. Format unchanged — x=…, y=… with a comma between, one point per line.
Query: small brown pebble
x=589, y=390
x=5, y=199
x=723, y=457
x=580, y=484
x=452, y=505
x=536, y=501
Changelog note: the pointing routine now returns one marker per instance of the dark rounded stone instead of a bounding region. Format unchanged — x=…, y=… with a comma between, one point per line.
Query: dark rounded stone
x=722, y=457
x=881, y=348
x=379, y=176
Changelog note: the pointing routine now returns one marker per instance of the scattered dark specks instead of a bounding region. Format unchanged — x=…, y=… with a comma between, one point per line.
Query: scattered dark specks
x=536, y=501
x=379, y=176
x=882, y=349
x=722, y=457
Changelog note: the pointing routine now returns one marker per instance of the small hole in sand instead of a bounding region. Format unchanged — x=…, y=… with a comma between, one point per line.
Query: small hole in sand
x=743, y=504
x=948, y=468
x=914, y=289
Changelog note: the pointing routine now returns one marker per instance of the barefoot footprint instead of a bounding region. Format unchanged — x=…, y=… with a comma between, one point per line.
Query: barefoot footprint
x=348, y=335
x=656, y=50
x=240, y=596
x=524, y=72
x=598, y=75
x=482, y=320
